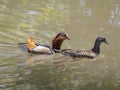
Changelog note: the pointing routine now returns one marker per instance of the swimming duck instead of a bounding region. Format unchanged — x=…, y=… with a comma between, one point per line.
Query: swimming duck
x=32, y=47
x=94, y=52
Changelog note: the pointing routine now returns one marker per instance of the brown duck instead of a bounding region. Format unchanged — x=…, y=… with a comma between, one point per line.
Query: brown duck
x=94, y=52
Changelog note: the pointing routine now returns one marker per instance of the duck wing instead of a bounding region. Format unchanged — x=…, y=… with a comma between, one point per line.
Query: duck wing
x=79, y=53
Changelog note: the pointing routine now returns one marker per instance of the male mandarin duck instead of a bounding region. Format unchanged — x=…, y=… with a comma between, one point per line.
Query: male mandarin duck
x=94, y=52
x=32, y=47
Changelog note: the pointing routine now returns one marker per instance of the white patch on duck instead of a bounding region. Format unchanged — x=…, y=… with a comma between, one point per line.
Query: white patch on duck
x=42, y=50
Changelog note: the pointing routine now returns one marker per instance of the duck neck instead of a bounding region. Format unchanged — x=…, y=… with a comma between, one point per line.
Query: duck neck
x=96, y=48
x=56, y=43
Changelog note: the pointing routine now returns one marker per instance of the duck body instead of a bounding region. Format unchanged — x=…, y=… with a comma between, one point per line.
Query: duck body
x=38, y=49
x=23, y=46
x=42, y=49
x=79, y=53
x=31, y=47
x=94, y=52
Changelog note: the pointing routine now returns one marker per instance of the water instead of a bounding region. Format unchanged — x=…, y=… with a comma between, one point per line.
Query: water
x=83, y=20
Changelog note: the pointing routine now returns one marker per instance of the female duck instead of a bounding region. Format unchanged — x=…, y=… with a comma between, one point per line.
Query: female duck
x=31, y=47
x=95, y=51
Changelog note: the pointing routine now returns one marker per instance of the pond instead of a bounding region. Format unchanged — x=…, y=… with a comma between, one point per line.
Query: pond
x=83, y=20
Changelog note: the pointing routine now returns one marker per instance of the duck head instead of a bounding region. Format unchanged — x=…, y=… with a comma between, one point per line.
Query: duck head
x=58, y=40
x=30, y=43
x=62, y=36
x=98, y=41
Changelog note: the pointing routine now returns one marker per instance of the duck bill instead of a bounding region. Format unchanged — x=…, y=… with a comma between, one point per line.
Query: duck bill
x=106, y=42
x=67, y=38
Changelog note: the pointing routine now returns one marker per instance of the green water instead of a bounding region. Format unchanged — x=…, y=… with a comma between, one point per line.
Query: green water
x=83, y=20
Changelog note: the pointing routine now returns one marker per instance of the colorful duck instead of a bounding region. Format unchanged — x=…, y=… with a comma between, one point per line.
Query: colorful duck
x=31, y=47
x=94, y=52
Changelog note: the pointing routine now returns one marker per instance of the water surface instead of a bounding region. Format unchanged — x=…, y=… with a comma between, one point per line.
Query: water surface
x=83, y=20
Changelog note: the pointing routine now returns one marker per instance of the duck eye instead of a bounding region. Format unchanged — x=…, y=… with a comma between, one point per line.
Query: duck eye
x=65, y=35
x=104, y=39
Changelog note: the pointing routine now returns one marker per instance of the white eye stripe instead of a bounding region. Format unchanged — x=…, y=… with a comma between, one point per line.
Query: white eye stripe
x=66, y=34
